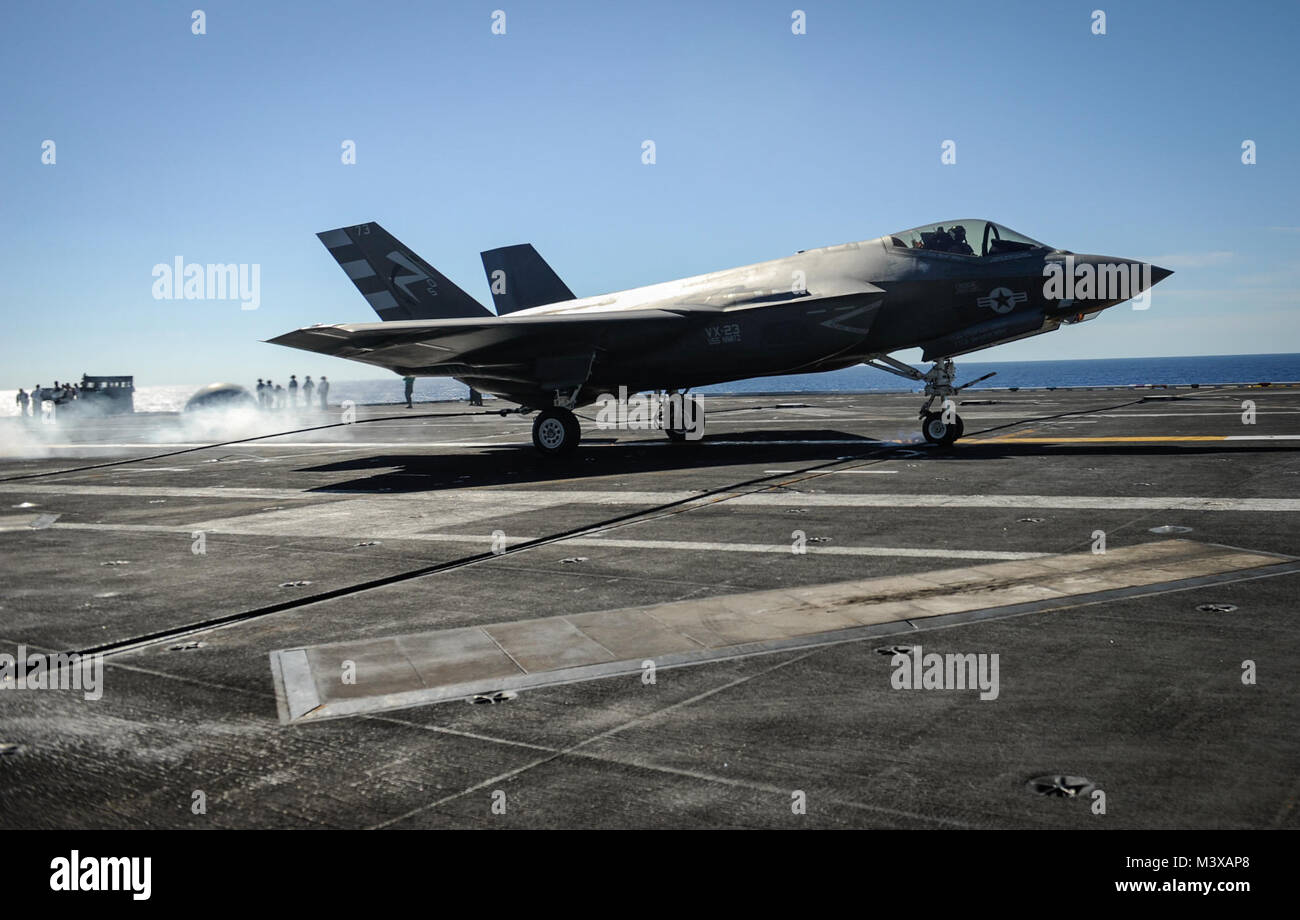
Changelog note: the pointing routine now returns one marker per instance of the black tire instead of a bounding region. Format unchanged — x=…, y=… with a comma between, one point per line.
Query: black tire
x=575, y=427
x=925, y=426
x=556, y=432
x=678, y=435
x=937, y=431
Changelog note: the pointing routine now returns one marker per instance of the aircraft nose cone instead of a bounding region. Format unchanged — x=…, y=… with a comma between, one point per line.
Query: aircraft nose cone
x=1159, y=274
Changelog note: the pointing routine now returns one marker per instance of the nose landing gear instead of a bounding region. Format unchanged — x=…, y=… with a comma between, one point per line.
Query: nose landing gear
x=945, y=426
x=938, y=431
x=942, y=427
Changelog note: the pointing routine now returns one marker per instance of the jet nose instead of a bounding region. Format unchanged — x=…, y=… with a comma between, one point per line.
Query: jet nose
x=1159, y=274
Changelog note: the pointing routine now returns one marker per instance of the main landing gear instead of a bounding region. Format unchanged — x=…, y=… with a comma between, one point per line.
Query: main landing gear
x=942, y=427
x=681, y=416
x=556, y=432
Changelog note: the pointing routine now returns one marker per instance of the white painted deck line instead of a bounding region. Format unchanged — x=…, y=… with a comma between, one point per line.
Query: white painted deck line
x=449, y=664
x=507, y=500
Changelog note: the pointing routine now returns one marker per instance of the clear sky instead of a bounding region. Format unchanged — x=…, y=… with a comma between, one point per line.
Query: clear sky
x=226, y=148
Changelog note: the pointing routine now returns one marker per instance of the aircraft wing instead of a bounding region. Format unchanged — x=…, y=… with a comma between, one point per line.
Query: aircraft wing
x=547, y=351
x=460, y=347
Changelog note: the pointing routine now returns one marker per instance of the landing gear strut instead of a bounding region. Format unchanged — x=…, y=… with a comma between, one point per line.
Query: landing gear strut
x=942, y=427
x=556, y=432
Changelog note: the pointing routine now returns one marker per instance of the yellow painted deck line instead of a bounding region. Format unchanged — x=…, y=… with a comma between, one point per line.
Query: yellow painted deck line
x=998, y=437
x=1113, y=440
x=1147, y=439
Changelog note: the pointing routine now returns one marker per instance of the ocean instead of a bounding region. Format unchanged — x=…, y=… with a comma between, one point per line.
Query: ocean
x=1102, y=372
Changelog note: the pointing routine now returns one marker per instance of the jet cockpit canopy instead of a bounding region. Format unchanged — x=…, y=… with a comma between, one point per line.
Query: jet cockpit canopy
x=977, y=238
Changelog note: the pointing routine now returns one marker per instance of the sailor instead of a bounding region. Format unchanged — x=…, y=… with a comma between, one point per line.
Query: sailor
x=410, y=388
x=279, y=396
x=307, y=388
x=324, y=392
x=293, y=390
x=261, y=394
x=22, y=399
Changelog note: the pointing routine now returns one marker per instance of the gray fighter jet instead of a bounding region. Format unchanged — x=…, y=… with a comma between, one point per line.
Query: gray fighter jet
x=948, y=289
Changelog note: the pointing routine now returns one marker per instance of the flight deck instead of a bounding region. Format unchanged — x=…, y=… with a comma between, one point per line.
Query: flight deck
x=413, y=620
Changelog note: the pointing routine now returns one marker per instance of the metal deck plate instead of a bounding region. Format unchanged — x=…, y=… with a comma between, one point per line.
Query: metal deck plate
x=350, y=678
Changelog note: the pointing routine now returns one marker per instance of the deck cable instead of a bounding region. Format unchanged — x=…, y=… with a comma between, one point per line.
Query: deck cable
x=630, y=517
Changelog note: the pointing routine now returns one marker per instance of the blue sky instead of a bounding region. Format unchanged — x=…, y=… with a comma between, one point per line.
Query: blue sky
x=225, y=147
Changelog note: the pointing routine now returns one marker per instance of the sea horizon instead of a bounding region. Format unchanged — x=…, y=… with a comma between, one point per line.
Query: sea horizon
x=1204, y=370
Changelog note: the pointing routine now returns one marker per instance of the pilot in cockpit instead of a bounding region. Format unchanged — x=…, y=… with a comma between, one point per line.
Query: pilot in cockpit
x=959, y=244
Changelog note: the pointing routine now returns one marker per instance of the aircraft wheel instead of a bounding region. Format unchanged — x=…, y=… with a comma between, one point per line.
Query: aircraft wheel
x=676, y=434
x=939, y=432
x=556, y=432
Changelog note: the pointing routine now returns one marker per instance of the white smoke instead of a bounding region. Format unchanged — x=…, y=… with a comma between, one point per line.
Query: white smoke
x=87, y=432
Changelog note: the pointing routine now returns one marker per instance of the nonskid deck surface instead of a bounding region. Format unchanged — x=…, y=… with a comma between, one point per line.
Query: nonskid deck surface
x=396, y=563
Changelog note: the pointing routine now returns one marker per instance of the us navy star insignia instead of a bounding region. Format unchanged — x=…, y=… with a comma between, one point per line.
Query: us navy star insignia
x=1002, y=300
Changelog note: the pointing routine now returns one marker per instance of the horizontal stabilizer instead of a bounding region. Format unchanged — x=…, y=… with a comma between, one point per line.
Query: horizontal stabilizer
x=520, y=278
x=397, y=283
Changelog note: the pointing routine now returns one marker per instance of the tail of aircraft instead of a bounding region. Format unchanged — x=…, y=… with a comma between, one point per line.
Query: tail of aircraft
x=397, y=283
x=520, y=278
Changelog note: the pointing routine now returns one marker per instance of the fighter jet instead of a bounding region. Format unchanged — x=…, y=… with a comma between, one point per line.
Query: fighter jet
x=949, y=289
